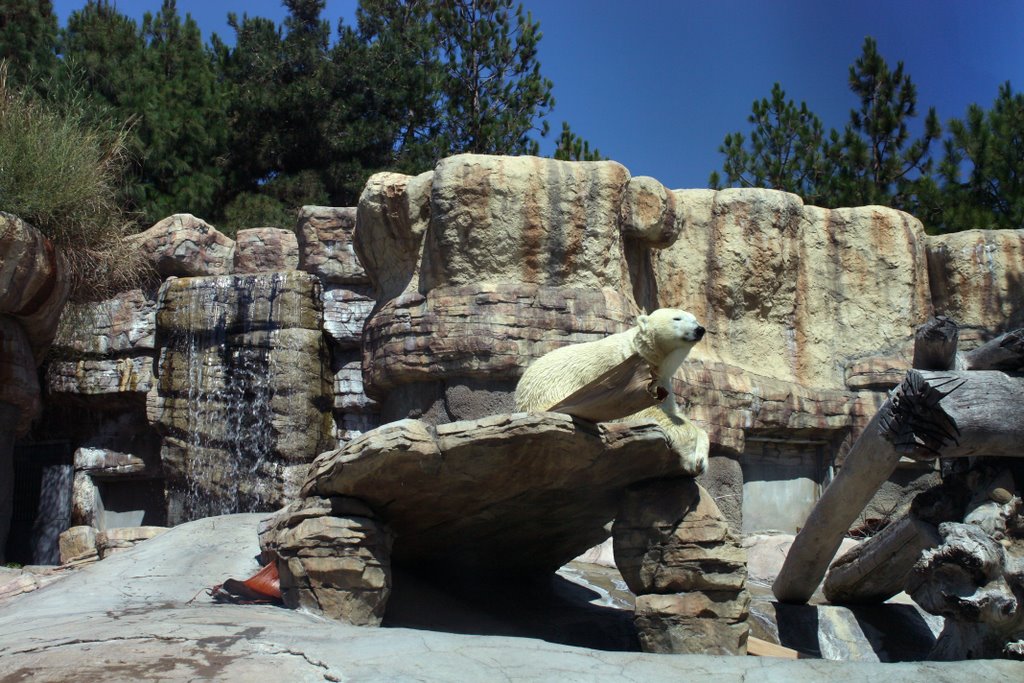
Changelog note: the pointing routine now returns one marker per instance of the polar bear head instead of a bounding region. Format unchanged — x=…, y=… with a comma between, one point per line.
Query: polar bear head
x=667, y=330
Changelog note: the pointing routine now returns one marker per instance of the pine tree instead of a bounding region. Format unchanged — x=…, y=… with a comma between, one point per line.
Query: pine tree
x=571, y=147
x=880, y=164
x=787, y=150
x=159, y=77
x=494, y=92
x=279, y=84
x=102, y=53
x=989, y=146
x=28, y=40
x=183, y=128
x=392, y=77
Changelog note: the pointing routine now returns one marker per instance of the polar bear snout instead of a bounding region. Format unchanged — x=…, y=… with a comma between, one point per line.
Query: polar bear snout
x=698, y=333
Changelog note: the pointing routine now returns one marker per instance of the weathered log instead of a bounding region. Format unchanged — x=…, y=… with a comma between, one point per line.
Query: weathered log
x=974, y=582
x=1005, y=352
x=935, y=344
x=878, y=568
x=955, y=414
x=870, y=462
x=949, y=414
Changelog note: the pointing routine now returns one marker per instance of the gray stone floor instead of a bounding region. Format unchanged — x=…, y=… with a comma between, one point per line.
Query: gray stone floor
x=132, y=617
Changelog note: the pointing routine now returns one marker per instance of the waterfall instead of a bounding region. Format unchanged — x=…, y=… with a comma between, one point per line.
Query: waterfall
x=226, y=350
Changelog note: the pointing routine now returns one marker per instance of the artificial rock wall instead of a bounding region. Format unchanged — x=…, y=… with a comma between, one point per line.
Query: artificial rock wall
x=489, y=262
x=431, y=297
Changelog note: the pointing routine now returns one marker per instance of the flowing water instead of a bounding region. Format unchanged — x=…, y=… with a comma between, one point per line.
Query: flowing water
x=227, y=350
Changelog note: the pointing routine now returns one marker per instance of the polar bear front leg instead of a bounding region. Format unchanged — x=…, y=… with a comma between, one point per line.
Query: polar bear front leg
x=686, y=439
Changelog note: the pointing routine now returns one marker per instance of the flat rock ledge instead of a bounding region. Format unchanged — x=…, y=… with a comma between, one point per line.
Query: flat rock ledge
x=515, y=494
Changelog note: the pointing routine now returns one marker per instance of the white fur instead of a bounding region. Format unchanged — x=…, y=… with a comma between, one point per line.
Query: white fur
x=663, y=338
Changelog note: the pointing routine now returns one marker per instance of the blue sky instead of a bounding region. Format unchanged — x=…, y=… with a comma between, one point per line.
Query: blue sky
x=656, y=84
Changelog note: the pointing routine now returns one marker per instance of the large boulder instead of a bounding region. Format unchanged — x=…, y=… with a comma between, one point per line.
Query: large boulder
x=264, y=250
x=185, y=246
x=325, y=244
x=507, y=494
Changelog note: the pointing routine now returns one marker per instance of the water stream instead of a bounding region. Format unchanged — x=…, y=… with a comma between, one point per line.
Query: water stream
x=229, y=436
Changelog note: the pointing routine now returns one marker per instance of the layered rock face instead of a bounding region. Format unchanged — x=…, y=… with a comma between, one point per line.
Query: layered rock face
x=239, y=388
x=487, y=263
x=211, y=391
x=476, y=268
x=795, y=292
x=976, y=279
x=33, y=290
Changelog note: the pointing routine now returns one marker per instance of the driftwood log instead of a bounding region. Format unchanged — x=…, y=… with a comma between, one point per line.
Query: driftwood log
x=1005, y=352
x=878, y=568
x=935, y=344
x=977, y=584
x=947, y=414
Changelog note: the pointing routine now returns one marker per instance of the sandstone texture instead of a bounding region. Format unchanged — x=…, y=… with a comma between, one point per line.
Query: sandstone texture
x=487, y=263
x=676, y=552
x=325, y=244
x=242, y=388
x=976, y=278
x=33, y=288
x=333, y=558
x=125, y=323
x=793, y=291
x=186, y=246
x=78, y=544
x=508, y=494
x=261, y=250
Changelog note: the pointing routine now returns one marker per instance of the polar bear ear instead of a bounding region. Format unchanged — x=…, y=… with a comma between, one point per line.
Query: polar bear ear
x=641, y=321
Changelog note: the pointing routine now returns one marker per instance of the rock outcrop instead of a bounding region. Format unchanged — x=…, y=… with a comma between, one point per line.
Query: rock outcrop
x=240, y=390
x=33, y=291
x=263, y=250
x=229, y=396
x=489, y=262
x=507, y=495
x=677, y=554
x=436, y=292
x=548, y=484
x=976, y=278
x=185, y=246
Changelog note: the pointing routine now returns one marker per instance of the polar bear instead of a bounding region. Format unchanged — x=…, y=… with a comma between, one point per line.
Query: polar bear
x=662, y=338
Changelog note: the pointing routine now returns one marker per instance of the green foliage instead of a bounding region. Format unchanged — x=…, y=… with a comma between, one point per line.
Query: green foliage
x=61, y=174
x=160, y=77
x=493, y=89
x=244, y=134
x=787, y=150
x=28, y=38
x=879, y=160
x=254, y=210
x=571, y=147
x=989, y=146
x=873, y=161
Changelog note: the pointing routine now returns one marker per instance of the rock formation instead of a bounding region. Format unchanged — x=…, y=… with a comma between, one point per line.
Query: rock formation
x=210, y=390
x=507, y=495
x=33, y=291
x=677, y=554
x=466, y=273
